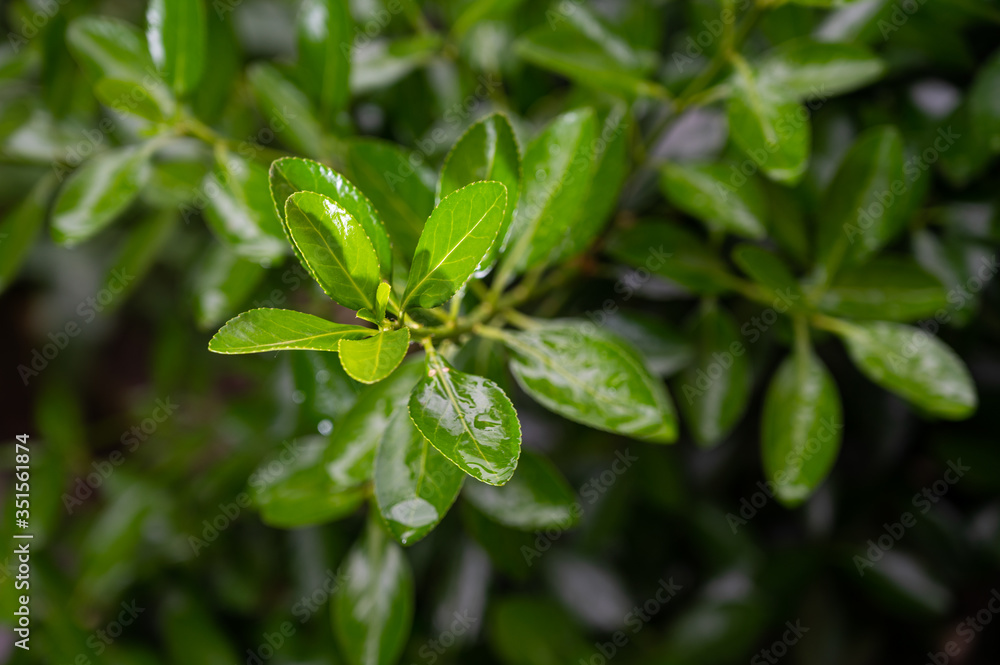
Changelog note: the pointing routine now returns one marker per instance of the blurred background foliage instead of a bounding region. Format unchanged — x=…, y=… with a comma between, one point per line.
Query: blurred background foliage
x=143, y=442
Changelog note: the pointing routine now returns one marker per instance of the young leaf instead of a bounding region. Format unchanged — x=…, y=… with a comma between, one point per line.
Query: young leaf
x=402, y=193
x=261, y=330
x=707, y=193
x=768, y=269
x=862, y=210
x=469, y=420
x=559, y=162
x=324, y=29
x=487, y=151
x=350, y=458
x=671, y=252
x=454, y=241
x=372, y=359
x=772, y=129
x=916, y=366
x=382, y=300
x=301, y=493
x=808, y=69
x=334, y=248
x=20, y=227
x=415, y=485
x=372, y=613
x=97, y=193
x=715, y=388
x=591, y=377
x=887, y=289
x=240, y=212
x=537, y=497
x=177, y=41
x=292, y=174
x=801, y=428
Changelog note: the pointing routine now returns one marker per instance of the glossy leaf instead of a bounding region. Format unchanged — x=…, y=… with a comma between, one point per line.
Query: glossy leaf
x=861, y=210
x=240, y=212
x=488, y=150
x=801, y=428
x=334, y=249
x=299, y=492
x=373, y=611
x=261, y=330
x=402, y=192
x=372, y=359
x=350, y=458
x=537, y=497
x=97, y=193
x=469, y=420
x=415, y=485
x=20, y=227
x=768, y=269
x=291, y=174
x=177, y=36
x=772, y=129
x=707, y=193
x=559, y=164
x=325, y=33
x=107, y=47
x=454, y=241
x=671, y=252
x=809, y=69
x=591, y=377
x=714, y=390
x=286, y=109
x=917, y=366
x=887, y=289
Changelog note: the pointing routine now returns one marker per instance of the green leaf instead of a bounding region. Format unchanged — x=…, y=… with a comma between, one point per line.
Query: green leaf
x=107, y=47
x=293, y=489
x=772, y=129
x=401, y=192
x=286, y=110
x=325, y=30
x=808, y=69
x=334, y=249
x=706, y=192
x=527, y=630
x=580, y=47
x=671, y=252
x=20, y=227
x=488, y=150
x=916, y=366
x=665, y=350
x=116, y=94
x=559, y=164
x=292, y=174
x=223, y=282
x=350, y=458
x=454, y=241
x=382, y=300
x=591, y=377
x=261, y=330
x=714, y=390
x=136, y=255
x=767, y=268
x=469, y=420
x=373, y=611
x=537, y=497
x=177, y=37
x=380, y=64
x=861, y=210
x=97, y=193
x=887, y=289
x=984, y=103
x=801, y=427
x=415, y=485
x=372, y=359
x=239, y=209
